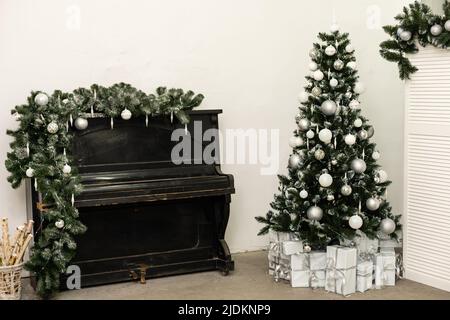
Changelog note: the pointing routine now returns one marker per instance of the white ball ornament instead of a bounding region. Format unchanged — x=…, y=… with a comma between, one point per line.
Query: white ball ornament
x=67, y=169
x=52, y=127
x=359, y=87
x=295, y=142
x=350, y=139
x=328, y=107
x=41, y=99
x=447, y=25
x=399, y=31
x=381, y=176
x=307, y=248
x=436, y=30
x=314, y=213
x=376, y=155
x=355, y=222
x=405, y=35
x=362, y=134
x=316, y=91
x=330, y=51
x=59, y=224
x=354, y=104
x=351, y=65
x=319, y=154
x=29, y=172
x=126, y=114
x=333, y=83
x=330, y=197
x=346, y=190
x=303, y=124
x=358, y=165
x=349, y=48
x=81, y=123
x=357, y=123
x=303, y=97
x=318, y=75
x=303, y=194
x=325, y=180
x=373, y=204
x=325, y=135
x=338, y=64
x=387, y=226
x=313, y=66
x=310, y=134
x=334, y=27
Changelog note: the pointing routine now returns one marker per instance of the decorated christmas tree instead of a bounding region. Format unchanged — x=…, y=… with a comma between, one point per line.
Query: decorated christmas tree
x=334, y=189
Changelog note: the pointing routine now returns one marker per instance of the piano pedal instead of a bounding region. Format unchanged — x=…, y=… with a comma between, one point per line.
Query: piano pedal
x=142, y=274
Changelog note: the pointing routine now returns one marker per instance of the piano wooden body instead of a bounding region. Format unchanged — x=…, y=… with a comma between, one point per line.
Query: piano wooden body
x=146, y=216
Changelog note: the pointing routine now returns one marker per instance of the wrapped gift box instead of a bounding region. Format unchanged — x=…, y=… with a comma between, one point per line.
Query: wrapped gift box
x=292, y=247
x=308, y=269
x=341, y=270
x=364, y=276
x=275, y=236
x=384, y=269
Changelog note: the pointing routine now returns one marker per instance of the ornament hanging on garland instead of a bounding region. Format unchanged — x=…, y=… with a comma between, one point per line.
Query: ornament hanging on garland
x=316, y=91
x=358, y=123
x=346, y=190
x=376, y=155
x=338, y=65
x=52, y=127
x=29, y=172
x=295, y=142
x=325, y=180
x=349, y=48
x=328, y=107
x=351, y=65
x=333, y=83
x=67, y=169
x=318, y=75
x=436, y=30
x=310, y=134
x=372, y=204
x=81, y=123
x=59, y=224
x=313, y=66
x=350, y=139
x=359, y=165
x=355, y=222
x=387, y=226
x=314, y=213
x=41, y=99
x=319, y=154
x=126, y=114
x=330, y=51
x=325, y=135
x=295, y=161
x=303, y=194
x=304, y=124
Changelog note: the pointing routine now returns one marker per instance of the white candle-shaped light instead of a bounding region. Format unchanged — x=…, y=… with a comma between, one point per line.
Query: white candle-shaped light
x=363, y=154
x=64, y=152
x=185, y=129
x=71, y=120
x=307, y=143
x=28, y=149
x=335, y=143
x=146, y=120
x=171, y=117
x=72, y=200
x=112, y=123
x=35, y=184
x=359, y=207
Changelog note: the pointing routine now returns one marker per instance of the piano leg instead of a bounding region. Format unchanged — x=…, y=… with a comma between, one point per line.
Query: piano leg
x=225, y=264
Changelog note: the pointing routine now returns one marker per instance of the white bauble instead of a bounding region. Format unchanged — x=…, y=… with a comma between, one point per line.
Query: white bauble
x=303, y=97
x=381, y=176
x=355, y=222
x=357, y=123
x=303, y=124
x=330, y=50
x=81, y=123
x=358, y=165
x=351, y=65
x=303, y=194
x=399, y=31
x=52, y=127
x=387, y=226
x=313, y=66
x=318, y=75
x=447, y=25
x=330, y=197
x=333, y=83
x=436, y=30
x=405, y=35
x=295, y=142
x=314, y=213
x=338, y=64
x=41, y=99
x=348, y=94
x=346, y=190
x=59, y=224
x=126, y=114
x=316, y=91
x=372, y=204
x=334, y=27
x=325, y=180
x=67, y=169
x=307, y=248
x=310, y=134
x=350, y=139
x=359, y=88
x=29, y=172
x=319, y=154
x=328, y=107
x=354, y=104
x=376, y=155
x=349, y=48
x=295, y=161
x=325, y=135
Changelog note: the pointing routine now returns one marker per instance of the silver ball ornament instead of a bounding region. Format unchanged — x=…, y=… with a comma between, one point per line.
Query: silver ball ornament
x=376, y=155
x=355, y=222
x=310, y=134
x=363, y=135
x=358, y=165
x=41, y=99
x=67, y=169
x=447, y=25
x=353, y=104
x=351, y=65
x=346, y=190
x=381, y=176
x=295, y=161
x=349, y=48
x=405, y=35
x=313, y=66
x=330, y=50
x=307, y=248
x=436, y=30
x=29, y=172
x=52, y=127
x=325, y=135
x=325, y=180
x=333, y=83
x=126, y=114
x=357, y=123
x=350, y=139
x=372, y=204
x=318, y=75
x=303, y=124
x=338, y=64
x=59, y=224
x=348, y=94
x=399, y=31
x=295, y=142
x=303, y=194
x=387, y=226
x=303, y=97
x=316, y=91
x=328, y=107
x=314, y=213
x=81, y=123
x=319, y=154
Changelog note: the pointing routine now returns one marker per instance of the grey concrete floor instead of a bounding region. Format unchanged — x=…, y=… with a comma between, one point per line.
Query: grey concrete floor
x=250, y=280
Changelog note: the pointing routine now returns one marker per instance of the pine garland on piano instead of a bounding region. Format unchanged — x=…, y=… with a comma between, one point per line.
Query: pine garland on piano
x=41, y=150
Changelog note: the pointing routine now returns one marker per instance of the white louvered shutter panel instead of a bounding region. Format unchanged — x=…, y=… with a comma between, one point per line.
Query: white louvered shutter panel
x=427, y=169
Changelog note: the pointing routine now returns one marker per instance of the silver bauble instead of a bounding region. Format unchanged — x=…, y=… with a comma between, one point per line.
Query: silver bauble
x=303, y=194
x=307, y=248
x=447, y=25
x=313, y=53
x=298, y=117
x=351, y=65
x=405, y=35
x=325, y=135
x=338, y=64
x=355, y=222
x=303, y=97
x=346, y=190
x=330, y=197
x=52, y=127
x=295, y=161
x=387, y=226
x=370, y=132
x=330, y=50
x=350, y=139
x=362, y=134
x=436, y=30
x=348, y=94
x=304, y=124
x=81, y=123
x=372, y=204
x=318, y=75
x=295, y=142
x=349, y=48
x=358, y=123
x=316, y=91
x=126, y=114
x=41, y=99
x=313, y=66
x=325, y=180
x=319, y=154
x=67, y=169
x=328, y=107
x=314, y=213
x=381, y=176
x=334, y=83
x=359, y=165
x=59, y=224
x=310, y=134
x=29, y=172
x=65, y=101
x=353, y=104
x=376, y=155
x=399, y=31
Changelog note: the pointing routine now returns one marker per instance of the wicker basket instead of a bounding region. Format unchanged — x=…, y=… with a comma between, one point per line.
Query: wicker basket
x=10, y=282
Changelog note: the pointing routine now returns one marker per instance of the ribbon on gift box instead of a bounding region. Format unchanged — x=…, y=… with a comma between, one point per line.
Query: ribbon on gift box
x=280, y=271
x=334, y=274
x=313, y=278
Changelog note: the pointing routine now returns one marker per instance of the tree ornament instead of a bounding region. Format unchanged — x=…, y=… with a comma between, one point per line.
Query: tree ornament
x=52, y=127
x=59, y=224
x=325, y=135
x=358, y=165
x=313, y=66
x=338, y=64
x=333, y=83
x=370, y=132
x=295, y=142
x=126, y=114
x=81, y=123
x=348, y=94
x=372, y=204
x=29, y=172
x=304, y=124
x=387, y=226
x=358, y=123
x=330, y=50
x=330, y=197
x=319, y=154
x=67, y=169
x=334, y=28
x=328, y=107
x=307, y=248
x=350, y=139
x=376, y=155
x=303, y=97
x=316, y=91
x=359, y=87
x=405, y=35
x=41, y=99
x=346, y=190
x=295, y=161
x=380, y=176
x=318, y=75
x=436, y=30
x=313, y=53
x=303, y=194
x=351, y=65
x=362, y=134
x=314, y=213
x=353, y=104
x=325, y=180
x=447, y=25
x=334, y=162
x=349, y=48
x=399, y=31
x=355, y=222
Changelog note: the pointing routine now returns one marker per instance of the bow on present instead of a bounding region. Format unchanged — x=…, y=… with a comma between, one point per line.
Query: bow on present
x=280, y=271
x=399, y=268
x=313, y=277
x=333, y=275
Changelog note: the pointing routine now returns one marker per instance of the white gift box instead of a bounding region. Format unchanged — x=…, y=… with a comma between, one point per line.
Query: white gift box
x=384, y=270
x=292, y=247
x=364, y=276
x=341, y=270
x=275, y=236
x=391, y=243
x=387, y=250
x=308, y=269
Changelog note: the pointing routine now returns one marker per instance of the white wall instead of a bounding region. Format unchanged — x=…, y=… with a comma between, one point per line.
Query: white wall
x=248, y=57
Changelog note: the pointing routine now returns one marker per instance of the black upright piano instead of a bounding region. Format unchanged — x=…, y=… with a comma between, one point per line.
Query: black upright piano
x=146, y=216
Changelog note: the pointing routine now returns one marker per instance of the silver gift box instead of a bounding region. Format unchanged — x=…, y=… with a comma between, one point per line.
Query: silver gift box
x=341, y=270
